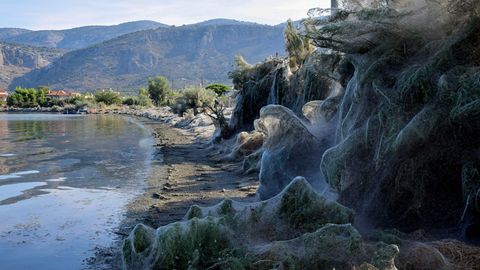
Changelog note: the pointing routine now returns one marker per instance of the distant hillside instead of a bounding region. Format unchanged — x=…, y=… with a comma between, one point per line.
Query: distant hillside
x=185, y=55
x=75, y=38
x=7, y=33
x=222, y=21
x=16, y=60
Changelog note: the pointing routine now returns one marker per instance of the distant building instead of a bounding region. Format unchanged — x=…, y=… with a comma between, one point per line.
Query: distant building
x=61, y=94
x=3, y=95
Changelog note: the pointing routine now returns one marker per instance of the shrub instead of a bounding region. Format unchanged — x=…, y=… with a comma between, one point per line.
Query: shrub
x=108, y=97
x=142, y=99
x=130, y=101
x=193, y=98
x=158, y=89
x=218, y=88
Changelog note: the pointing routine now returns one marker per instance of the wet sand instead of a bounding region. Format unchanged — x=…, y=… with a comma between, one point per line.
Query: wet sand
x=185, y=172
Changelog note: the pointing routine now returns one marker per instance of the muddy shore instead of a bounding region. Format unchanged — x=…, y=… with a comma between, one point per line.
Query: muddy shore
x=185, y=171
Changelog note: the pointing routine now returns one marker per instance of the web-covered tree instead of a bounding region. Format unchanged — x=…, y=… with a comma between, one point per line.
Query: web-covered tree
x=297, y=46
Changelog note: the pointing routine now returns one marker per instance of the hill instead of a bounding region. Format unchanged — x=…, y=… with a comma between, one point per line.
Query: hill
x=7, y=33
x=185, y=55
x=75, y=38
x=16, y=60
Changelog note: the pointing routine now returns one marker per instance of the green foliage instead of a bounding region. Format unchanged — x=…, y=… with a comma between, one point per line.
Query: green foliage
x=142, y=99
x=194, y=212
x=297, y=46
x=23, y=98
x=158, y=89
x=218, y=88
x=193, y=98
x=198, y=245
x=196, y=97
x=240, y=73
x=306, y=211
x=108, y=97
x=42, y=92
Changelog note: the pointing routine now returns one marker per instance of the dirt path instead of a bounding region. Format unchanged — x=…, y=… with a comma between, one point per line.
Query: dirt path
x=185, y=172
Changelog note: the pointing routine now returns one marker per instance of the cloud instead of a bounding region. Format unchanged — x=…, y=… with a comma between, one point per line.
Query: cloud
x=60, y=14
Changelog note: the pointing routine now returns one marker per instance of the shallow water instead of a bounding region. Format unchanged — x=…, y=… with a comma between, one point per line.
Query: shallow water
x=64, y=182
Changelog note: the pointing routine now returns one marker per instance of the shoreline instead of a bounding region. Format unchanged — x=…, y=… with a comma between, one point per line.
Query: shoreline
x=186, y=170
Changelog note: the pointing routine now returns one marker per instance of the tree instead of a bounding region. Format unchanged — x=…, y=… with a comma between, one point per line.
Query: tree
x=108, y=97
x=23, y=98
x=297, y=46
x=143, y=98
x=42, y=92
x=240, y=72
x=158, y=89
x=218, y=88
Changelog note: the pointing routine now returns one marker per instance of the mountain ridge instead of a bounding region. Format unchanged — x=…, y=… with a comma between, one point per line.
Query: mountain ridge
x=17, y=59
x=186, y=55
x=74, y=38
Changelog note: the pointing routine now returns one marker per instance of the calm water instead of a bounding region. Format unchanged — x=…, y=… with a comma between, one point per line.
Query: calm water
x=64, y=182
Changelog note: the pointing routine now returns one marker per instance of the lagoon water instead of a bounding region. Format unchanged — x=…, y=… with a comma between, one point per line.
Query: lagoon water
x=64, y=184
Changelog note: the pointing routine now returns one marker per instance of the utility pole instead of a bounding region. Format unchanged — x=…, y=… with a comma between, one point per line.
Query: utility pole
x=334, y=4
x=334, y=7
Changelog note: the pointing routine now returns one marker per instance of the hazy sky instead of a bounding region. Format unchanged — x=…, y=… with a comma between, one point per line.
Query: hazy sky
x=60, y=14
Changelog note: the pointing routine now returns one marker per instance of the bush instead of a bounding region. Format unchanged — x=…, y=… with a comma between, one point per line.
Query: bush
x=158, y=89
x=218, y=88
x=108, y=97
x=193, y=98
x=75, y=100
x=130, y=101
x=142, y=99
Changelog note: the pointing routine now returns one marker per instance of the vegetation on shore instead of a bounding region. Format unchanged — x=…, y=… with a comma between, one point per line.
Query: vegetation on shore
x=157, y=93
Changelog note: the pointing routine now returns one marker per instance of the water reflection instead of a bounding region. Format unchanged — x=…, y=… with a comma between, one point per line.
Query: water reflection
x=54, y=168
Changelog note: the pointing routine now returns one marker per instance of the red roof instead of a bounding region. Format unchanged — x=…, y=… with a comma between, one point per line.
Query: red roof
x=3, y=93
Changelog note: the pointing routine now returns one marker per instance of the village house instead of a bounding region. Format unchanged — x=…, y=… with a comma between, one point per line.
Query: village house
x=3, y=95
x=61, y=94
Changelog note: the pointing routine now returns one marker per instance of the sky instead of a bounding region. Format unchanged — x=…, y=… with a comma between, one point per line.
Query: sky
x=63, y=14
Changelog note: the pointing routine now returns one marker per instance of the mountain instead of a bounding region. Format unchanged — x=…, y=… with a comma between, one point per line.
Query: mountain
x=16, y=60
x=75, y=38
x=222, y=21
x=6, y=33
x=185, y=55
